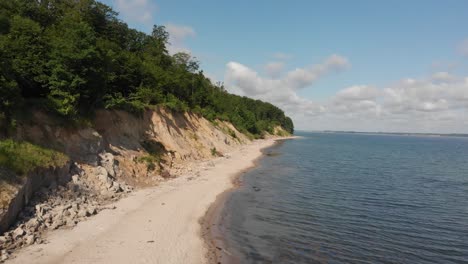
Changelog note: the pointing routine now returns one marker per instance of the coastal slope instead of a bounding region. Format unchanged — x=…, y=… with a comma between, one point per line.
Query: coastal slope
x=154, y=225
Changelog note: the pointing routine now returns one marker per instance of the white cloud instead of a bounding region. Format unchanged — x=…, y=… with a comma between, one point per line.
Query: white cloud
x=140, y=11
x=303, y=77
x=177, y=36
x=438, y=103
x=242, y=80
x=357, y=93
x=415, y=105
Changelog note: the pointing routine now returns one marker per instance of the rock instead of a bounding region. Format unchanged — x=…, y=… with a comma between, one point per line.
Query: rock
x=4, y=257
x=67, y=206
x=72, y=212
x=83, y=213
x=30, y=239
x=18, y=232
x=66, y=213
x=110, y=207
x=57, y=223
x=70, y=222
x=103, y=176
x=108, y=161
x=99, y=170
x=40, y=210
x=48, y=218
x=32, y=225
x=76, y=178
x=116, y=187
x=92, y=210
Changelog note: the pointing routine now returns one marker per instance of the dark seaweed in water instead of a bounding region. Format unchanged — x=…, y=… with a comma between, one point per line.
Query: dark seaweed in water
x=342, y=198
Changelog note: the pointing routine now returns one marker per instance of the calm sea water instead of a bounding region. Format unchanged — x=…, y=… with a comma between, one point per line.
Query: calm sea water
x=345, y=198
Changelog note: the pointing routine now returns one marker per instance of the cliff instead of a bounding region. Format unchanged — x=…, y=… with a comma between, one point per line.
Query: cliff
x=108, y=157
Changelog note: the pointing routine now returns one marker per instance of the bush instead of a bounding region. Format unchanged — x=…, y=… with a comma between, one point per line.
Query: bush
x=215, y=152
x=150, y=161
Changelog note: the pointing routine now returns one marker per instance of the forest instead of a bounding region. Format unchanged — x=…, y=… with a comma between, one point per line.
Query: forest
x=71, y=57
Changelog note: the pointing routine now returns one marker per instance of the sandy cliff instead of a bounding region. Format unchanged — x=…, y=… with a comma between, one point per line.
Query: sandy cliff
x=108, y=157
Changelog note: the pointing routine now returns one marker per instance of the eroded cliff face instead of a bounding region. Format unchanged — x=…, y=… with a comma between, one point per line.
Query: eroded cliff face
x=158, y=136
x=114, y=153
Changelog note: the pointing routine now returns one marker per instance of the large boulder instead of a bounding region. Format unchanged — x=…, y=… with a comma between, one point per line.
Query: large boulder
x=108, y=162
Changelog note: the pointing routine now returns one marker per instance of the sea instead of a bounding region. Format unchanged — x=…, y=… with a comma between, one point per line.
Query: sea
x=352, y=198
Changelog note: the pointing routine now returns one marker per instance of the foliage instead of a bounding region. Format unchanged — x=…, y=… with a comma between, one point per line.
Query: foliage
x=77, y=56
x=150, y=161
x=155, y=150
x=23, y=157
x=215, y=152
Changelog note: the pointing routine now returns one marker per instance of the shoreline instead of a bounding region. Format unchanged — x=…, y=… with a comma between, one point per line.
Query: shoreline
x=211, y=223
x=160, y=224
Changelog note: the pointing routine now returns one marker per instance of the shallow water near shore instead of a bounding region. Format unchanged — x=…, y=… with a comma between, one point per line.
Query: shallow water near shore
x=347, y=198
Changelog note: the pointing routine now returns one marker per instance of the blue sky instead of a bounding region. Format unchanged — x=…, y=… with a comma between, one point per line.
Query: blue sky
x=380, y=45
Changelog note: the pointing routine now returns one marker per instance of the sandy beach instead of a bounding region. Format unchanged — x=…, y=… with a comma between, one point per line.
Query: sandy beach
x=155, y=225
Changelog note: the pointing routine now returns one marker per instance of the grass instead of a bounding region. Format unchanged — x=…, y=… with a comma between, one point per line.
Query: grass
x=17, y=158
x=150, y=161
x=22, y=157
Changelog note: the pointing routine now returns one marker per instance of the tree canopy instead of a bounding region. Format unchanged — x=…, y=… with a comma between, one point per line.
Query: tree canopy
x=75, y=56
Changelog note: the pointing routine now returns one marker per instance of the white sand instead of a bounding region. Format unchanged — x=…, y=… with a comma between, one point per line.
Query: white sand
x=155, y=225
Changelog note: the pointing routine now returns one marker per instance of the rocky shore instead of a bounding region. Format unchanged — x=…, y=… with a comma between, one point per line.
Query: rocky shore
x=151, y=225
x=92, y=189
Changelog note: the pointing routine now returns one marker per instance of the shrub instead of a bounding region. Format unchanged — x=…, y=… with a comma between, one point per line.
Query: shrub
x=215, y=152
x=150, y=161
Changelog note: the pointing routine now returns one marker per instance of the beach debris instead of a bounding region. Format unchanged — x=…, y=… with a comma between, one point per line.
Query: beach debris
x=257, y=189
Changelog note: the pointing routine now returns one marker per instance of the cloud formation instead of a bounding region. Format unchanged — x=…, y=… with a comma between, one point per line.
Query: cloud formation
x=177, y=36
x=437, y=103
x=246, y=81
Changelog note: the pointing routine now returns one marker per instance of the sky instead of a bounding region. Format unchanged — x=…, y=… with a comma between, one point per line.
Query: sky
x=362, y=65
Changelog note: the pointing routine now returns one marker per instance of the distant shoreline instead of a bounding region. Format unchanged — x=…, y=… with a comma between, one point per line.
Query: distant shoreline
x=390, y=133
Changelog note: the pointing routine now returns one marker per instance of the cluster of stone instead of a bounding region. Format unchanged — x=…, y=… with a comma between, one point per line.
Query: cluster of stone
x=90, y=191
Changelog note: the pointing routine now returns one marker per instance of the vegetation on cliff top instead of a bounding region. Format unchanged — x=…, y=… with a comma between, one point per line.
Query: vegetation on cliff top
x=72, y=57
